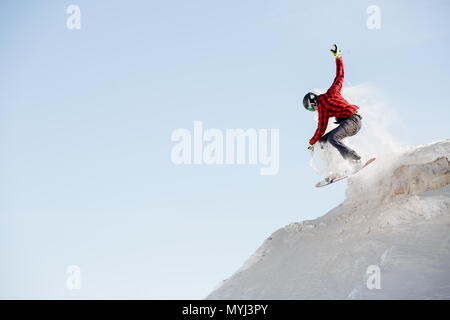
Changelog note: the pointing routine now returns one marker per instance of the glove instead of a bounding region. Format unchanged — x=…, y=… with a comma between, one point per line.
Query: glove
x=335, y=51
x=311, y=148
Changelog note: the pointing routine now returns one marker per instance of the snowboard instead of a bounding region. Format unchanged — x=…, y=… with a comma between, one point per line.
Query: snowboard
x=326, y=181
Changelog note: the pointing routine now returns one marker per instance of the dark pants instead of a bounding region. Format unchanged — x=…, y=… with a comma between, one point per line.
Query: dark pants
x=347, y=128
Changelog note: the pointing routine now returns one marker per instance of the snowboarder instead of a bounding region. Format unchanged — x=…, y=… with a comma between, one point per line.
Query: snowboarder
x=332, y=104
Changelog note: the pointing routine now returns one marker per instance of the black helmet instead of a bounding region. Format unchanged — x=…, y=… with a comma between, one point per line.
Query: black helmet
x=310, y=100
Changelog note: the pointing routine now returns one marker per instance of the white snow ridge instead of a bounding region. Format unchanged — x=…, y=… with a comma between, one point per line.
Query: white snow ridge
x=396, y=219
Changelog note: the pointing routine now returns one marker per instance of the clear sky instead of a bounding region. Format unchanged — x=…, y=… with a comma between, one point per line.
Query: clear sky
x=87, y=115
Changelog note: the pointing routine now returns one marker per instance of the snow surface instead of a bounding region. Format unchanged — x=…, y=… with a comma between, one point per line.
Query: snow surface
x=396, y=216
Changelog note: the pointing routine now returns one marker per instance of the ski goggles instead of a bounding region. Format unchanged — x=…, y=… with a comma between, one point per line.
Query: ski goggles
x=310, y=107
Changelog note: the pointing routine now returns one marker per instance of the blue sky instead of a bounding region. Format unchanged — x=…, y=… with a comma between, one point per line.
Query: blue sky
x=87, y=116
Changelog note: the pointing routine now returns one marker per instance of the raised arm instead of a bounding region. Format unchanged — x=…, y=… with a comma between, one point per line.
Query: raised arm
x=339, y=79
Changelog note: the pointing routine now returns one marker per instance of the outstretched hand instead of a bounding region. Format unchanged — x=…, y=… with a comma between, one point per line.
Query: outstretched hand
x=336, y=51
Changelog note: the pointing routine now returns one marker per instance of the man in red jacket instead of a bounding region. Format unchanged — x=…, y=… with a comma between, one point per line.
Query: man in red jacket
x=332, y=104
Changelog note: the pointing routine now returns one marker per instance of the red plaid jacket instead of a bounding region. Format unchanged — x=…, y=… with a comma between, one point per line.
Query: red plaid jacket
x=332, y=104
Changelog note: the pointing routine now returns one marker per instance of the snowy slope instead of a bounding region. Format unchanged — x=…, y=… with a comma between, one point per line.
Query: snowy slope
x=396, y=216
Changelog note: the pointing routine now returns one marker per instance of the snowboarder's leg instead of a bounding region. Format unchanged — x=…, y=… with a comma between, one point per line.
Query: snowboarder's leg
x=324, y=140
x=349, y=127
